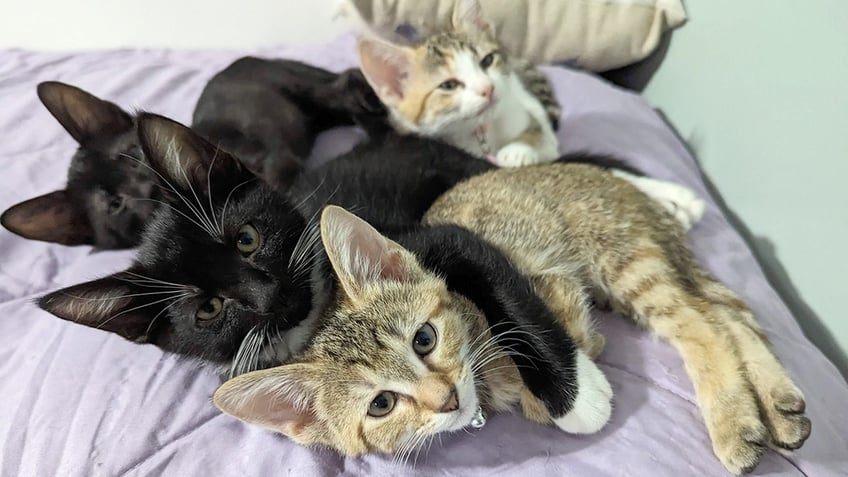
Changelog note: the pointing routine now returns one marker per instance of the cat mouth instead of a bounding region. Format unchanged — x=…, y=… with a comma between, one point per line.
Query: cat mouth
x=488, y=106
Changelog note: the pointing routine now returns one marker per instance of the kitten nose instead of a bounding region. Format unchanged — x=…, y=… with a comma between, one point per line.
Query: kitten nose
x=487, y=90
x=452, y=402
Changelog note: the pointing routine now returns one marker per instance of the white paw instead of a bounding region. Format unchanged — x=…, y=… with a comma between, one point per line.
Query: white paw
x=517, y=154
x=678, y=200
x=592, y=407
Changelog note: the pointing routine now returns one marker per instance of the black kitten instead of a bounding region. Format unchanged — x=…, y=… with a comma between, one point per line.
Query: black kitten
x=231, y=264
x=247, y=108
x=268, y=112
x=99, y=205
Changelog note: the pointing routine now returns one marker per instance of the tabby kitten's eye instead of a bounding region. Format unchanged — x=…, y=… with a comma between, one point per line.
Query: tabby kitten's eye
x=116, y=205
x=247, y=240
x=210, y=309
x=424, y=340
x=449, y=85
x=382, y=404
x=487, y=61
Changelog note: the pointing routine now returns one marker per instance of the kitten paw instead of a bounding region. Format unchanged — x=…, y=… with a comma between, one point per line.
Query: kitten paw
x=592, y=407
x=784, y=416
x=683, y=204
x=679, y=201
x=740, y=443
x=517, y=154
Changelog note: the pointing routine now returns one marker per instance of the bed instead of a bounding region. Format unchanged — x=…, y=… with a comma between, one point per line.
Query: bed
x=81, y=402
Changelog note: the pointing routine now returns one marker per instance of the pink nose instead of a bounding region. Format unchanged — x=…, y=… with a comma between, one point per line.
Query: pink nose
x=487, y=90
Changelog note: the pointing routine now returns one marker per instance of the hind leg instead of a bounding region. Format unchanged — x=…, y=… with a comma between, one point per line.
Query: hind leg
x=781, y=402
x=569, y=302
x=726, y=363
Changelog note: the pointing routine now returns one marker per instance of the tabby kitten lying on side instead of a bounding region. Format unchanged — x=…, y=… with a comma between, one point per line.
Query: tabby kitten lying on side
x=576, y=231
x=398, y=359
x=461, y=88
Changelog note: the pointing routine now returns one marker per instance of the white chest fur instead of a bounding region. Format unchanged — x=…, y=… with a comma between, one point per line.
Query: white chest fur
x=514, y=111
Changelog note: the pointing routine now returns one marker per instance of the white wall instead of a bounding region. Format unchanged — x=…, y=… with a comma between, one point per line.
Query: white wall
x=81, y=24
x=761, y=89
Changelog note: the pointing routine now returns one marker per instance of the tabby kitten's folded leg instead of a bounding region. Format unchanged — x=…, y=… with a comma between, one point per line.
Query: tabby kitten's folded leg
x=747, y=399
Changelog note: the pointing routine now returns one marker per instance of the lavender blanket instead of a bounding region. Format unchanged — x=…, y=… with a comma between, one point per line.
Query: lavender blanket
x=80, y=402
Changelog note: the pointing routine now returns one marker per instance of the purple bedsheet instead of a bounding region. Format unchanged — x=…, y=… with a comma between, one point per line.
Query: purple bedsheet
x=80, y=402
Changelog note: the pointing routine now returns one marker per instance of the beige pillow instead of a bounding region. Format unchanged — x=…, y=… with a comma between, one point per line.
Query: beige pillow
x=597, y=35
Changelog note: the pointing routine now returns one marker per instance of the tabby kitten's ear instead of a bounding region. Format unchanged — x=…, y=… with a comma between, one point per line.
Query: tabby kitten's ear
x=114, y=303
x=279, y=399
x=386, y=67
x=468, y=18
x=185, y=161
x=360, y=256
x=83, y=115
x=52, y=217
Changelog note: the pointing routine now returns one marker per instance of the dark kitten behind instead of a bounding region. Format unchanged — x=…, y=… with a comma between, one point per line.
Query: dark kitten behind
x=268, y=112
x=100, y=204
x=263, y=110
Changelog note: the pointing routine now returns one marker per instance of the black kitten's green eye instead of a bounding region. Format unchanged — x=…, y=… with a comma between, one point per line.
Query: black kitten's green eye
x=210, y=309
x=425, y=340
x=247, y=239
x=116, y=205
x=487, y=61
x=382, y=404
x=449, y=84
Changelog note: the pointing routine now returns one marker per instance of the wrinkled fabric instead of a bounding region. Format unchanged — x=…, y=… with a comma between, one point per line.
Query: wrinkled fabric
x=76, y=401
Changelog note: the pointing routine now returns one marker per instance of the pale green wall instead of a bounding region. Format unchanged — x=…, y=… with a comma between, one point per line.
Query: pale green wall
x=760, y=89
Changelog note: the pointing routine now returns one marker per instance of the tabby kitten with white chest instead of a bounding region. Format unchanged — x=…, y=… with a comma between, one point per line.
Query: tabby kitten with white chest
x=460, y=87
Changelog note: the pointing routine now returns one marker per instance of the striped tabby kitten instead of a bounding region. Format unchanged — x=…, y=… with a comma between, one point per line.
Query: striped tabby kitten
x=576, y=230
x=461, y=88
x=400, y=358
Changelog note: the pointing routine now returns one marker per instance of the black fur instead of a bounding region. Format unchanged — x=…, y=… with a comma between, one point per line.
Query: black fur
x=544, y=351
x=266, y=111
x=262, y=288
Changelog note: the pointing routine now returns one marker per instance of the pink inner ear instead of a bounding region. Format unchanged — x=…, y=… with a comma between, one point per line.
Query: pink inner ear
x=280, y=412
x=385, y=67
x=394, y=267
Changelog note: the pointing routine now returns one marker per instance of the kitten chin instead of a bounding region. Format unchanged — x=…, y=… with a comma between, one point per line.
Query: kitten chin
x=281, y=347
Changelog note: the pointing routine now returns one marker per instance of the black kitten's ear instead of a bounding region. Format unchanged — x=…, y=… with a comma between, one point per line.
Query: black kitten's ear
x=115, y=303
x=52, y=217
x=184, y=160
x=83, y=115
